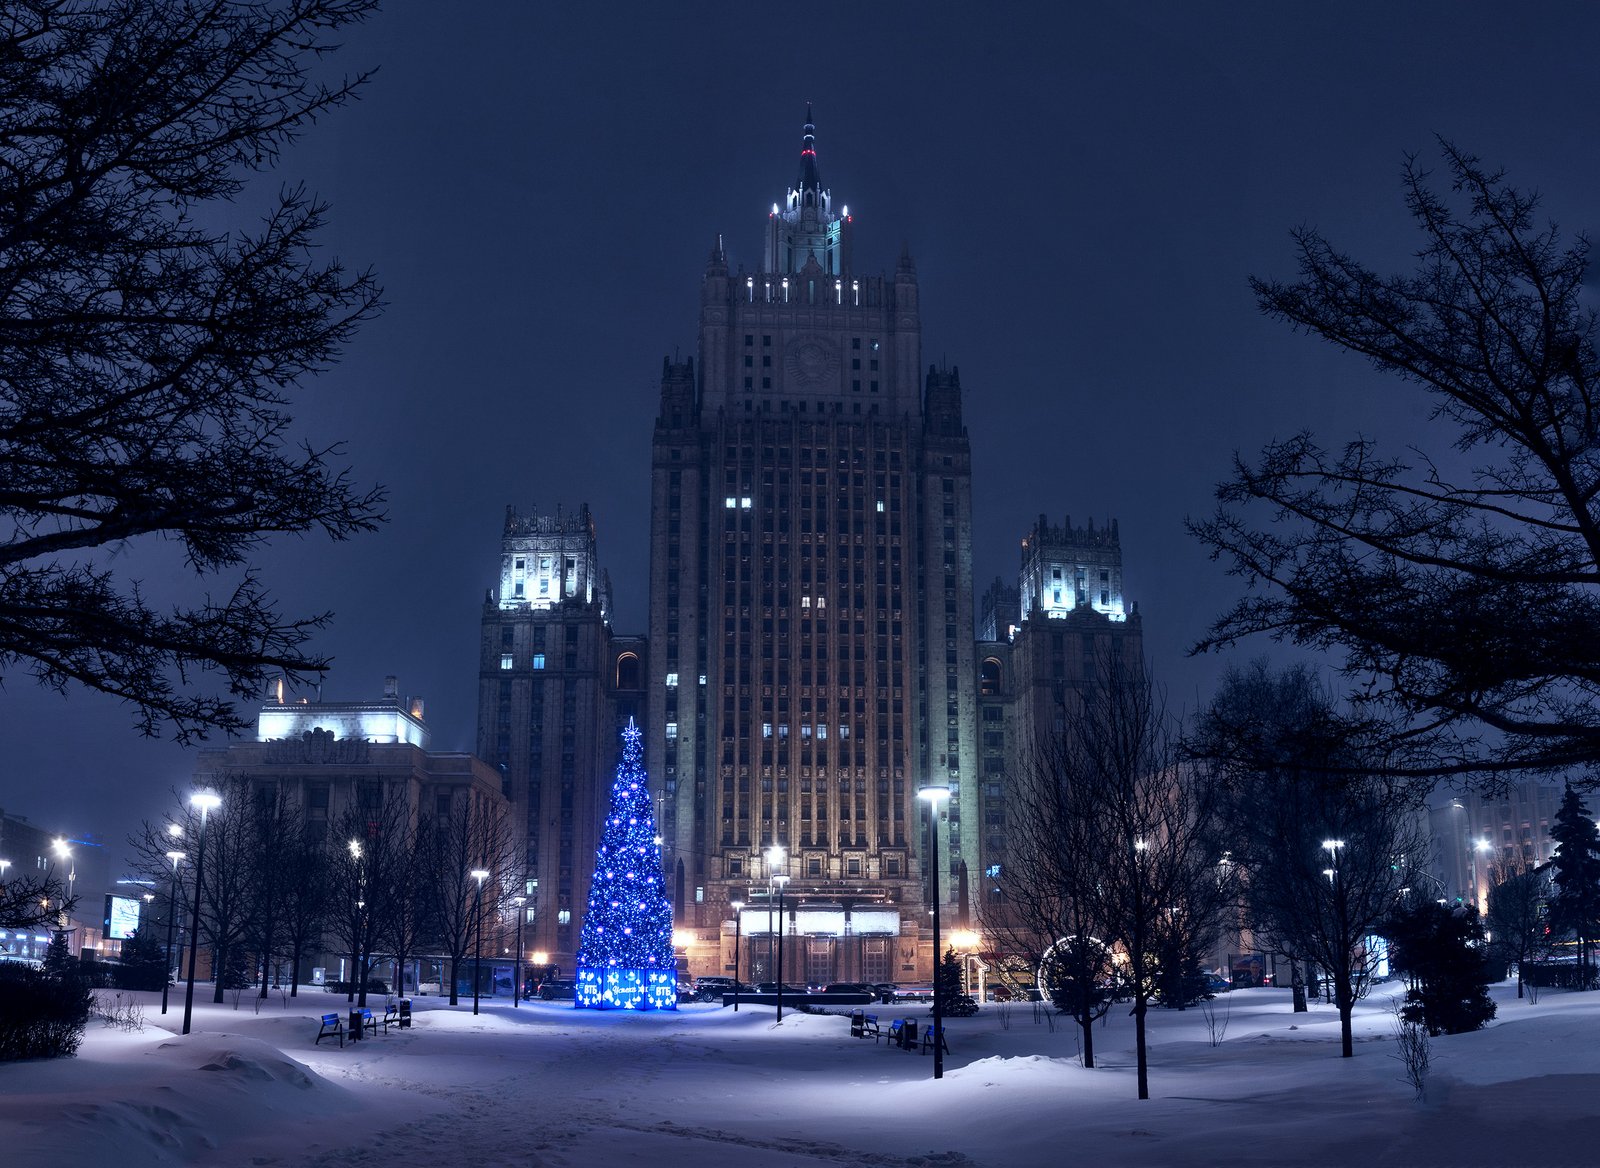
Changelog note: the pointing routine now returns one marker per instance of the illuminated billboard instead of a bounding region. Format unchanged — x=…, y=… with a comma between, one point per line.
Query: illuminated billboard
x=122, y=917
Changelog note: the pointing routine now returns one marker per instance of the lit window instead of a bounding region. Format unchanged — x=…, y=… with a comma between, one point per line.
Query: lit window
x=805, y=602
x=822, y=729
x=564, y=916
x=766, y=729
x=672, y=729
x=745, y=503
x=672, y=681
x=880, y=506
x=730, y=502
x=822, y=602
x=702, y=679
x=506, y=661
x=538, y=660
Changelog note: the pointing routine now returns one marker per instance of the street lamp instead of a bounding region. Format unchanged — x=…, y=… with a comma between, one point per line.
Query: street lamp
x=934, y=794
x=64, y=852
x=172, y=922
x=516, y=987
x=775, y=858
x=480, y=875
x=204, y=802
x=738, y=911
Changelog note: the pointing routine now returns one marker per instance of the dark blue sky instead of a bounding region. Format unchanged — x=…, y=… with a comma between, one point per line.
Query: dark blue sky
x=1085, y=192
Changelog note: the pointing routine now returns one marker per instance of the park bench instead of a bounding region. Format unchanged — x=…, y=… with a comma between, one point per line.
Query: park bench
x=371, y=1024
x=391, y=1014
x=869, y=1027
x=897, y=1032
x=934, y=1034
x=330, y=1029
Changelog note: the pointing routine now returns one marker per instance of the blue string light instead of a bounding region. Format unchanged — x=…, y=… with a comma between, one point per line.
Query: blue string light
x=625, y=957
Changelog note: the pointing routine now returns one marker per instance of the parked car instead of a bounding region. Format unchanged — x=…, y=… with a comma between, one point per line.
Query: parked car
x=710, y=989
x=554, y=988
x=850, y=987
x=771, y=987
x=914, y=994
x=885, y=991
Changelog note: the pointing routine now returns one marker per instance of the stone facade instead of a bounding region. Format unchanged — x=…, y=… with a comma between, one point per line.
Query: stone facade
x=811, y=606
x=554, y=688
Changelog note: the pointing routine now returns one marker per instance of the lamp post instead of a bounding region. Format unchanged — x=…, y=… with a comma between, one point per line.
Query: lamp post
x=480, y=875
x=738, y=911
x=934, y=794
x=776, y=879
x=204, y=802
x=516, y=986
x=172, y=922
x=64, y=853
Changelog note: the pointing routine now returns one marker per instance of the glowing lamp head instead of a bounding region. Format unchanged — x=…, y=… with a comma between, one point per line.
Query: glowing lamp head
x=775, y=856
x=1332, y=845
x=205, y=801
x=174, y=829
x=355, y=848
x=59, y=846
x=933, y=793
x=682, y=938
x=540, y=957
x=176, y=858
x=480, y=875
x=736, y=905
x=964, y=940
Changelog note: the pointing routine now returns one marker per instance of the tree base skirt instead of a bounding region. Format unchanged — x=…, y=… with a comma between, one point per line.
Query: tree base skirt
x=627, y=989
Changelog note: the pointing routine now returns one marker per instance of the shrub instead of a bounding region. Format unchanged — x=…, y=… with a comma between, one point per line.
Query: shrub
x=41, y=1015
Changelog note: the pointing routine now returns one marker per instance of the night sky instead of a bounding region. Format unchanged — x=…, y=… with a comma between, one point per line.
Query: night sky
x=1085, y=192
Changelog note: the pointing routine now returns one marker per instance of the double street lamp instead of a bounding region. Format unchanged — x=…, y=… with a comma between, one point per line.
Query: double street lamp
x=775, y=859
x=934, y=795
x=738, y=915
x=172, y=917
x=516, y=980
x=480, y=875
x=204, y=802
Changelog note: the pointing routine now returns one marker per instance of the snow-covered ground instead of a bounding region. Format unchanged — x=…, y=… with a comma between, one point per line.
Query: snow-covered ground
x=545, y=1084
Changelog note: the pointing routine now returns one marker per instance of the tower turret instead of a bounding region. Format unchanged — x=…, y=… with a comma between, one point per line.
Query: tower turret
x=806, y=227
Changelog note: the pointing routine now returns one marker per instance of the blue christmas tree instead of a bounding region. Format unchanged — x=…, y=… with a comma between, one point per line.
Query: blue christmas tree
x=625, y=960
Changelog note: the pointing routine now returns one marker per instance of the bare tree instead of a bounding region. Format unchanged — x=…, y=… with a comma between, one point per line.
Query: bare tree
x=146, y=354
x=1164, y=891
x=1114, y=850
x=1050, y=904
x=1518, y=922
x=279, y=825
x=1326, y=847
x=369, y=853
x=1462, y=598
x=408, y=924
x=33, y=899
x=305, y=899
x=473, y=834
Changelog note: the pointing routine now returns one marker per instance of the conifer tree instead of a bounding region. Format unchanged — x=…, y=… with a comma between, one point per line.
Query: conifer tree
x=947, y=989
x=1575, y=909
x=625, y=960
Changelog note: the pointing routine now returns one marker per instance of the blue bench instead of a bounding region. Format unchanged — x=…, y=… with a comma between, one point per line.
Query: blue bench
x=331, y=1028
x=932, y=1035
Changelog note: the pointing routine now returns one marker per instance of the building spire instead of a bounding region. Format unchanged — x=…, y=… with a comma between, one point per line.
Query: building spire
x=810, y=176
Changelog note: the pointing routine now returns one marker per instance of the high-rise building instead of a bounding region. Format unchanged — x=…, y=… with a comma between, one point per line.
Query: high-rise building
x=811, y=649
x=554, y=688
x=1059, y=630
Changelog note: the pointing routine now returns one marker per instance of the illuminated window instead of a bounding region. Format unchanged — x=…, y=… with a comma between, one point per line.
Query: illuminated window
x=506, y=661
x=730, y=502
x=564, y=916
x=538, y=660
x=672, y=730
x=880, y=506
x=745, y=503
x=672, y=680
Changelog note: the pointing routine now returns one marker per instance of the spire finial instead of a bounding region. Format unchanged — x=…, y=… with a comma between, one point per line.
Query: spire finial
x=810, y=177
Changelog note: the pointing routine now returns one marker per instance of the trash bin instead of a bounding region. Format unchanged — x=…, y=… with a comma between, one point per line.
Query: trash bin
x=355, y=1026
x=405, y=1013
x=908, y=1034
x=858, y=1024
